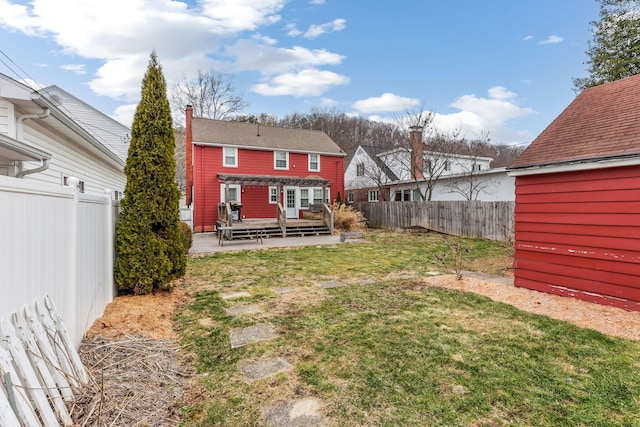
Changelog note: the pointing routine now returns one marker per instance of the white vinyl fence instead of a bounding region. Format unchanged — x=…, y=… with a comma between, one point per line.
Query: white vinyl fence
x=58, y=242
x=486, y=220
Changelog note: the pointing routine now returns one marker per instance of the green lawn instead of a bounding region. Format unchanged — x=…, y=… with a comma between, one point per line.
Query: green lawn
x=397, y=352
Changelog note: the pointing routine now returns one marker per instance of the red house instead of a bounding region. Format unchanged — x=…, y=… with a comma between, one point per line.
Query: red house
x=258, y=171
x=578, y=200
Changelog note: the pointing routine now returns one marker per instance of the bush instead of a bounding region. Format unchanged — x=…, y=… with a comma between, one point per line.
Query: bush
x=186, y=235
x=346, y=218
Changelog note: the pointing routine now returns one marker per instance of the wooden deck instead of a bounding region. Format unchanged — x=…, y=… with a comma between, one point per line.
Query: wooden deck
x=295, y=228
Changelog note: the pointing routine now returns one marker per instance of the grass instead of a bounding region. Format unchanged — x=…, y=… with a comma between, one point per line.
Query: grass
x=397, y=352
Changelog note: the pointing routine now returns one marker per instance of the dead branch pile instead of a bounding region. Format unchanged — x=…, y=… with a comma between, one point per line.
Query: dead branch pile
x=136, y=381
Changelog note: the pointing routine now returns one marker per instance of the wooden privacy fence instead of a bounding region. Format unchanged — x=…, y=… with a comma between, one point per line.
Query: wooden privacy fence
x=487, y=220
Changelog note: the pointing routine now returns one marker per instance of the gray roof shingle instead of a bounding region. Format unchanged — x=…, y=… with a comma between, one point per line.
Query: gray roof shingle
x=601, y=122
x=262, y=137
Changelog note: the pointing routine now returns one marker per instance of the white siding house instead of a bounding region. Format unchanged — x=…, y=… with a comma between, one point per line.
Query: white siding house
x=376, y=175
x=48, y=135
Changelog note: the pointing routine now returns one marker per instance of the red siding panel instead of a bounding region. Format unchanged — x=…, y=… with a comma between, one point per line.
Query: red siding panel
x=577, y=234
x=255, y=199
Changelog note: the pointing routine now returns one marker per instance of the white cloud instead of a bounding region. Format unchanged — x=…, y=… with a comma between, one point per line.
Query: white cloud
x=252, y=55
x=552, y=39
x=75, y=68
x=308, y=82
x=317, y=2
x=124, y=114
x=330, y=27
x=121, y=33
x=385, y=103
x=479, y=115
x=527, y=38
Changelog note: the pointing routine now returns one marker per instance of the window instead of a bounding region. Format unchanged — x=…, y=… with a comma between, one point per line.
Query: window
x=117, y=195
x=447, y=165
x=360, y=169
x=416, y=196
x=373, y=195
x=234, y=193
x=314, y=162
x=349, y=197
x=230, y=155
x=281, y=160
x=477, y=167
x=317, y=195
x=304, y=198
x=273, y=195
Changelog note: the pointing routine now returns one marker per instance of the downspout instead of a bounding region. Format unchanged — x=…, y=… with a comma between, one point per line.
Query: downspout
x=19, y=136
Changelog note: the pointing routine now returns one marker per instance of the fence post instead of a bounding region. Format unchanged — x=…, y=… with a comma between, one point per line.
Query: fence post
x=109, y=243
x=72, y=182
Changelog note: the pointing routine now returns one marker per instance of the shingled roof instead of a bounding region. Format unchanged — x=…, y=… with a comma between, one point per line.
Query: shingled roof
x=262, y=137
x=603, y=122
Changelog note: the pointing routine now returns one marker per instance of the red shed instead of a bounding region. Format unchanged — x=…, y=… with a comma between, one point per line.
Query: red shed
x=259, y=167
x=577, y=221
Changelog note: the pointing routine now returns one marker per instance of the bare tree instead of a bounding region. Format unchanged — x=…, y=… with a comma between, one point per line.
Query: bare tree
x=180, y=154
x=211, y=94
x=428, y=153
x=471, y=182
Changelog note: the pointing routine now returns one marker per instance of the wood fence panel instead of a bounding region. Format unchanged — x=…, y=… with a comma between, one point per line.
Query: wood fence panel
x=486, y=220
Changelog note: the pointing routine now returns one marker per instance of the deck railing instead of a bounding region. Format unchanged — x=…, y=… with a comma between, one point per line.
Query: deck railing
x=224, y=214
x=282, y=219
x=327, y=216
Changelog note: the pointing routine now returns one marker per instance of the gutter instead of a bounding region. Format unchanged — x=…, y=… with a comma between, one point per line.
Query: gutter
x=19, y=134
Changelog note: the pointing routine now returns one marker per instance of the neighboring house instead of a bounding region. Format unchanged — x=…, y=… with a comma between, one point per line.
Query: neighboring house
x=405, y=174
x=49, y=135
x=577, y=221
x=259, y=167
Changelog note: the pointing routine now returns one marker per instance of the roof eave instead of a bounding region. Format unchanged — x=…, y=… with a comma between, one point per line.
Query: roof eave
x=632, y=159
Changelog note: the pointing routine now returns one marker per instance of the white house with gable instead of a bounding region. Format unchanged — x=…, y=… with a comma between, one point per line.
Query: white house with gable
x=48, y=135
x=410, y=174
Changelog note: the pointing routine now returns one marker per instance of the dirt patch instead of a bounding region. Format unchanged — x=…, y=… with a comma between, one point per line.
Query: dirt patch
x=140, y=315
x=609, y=320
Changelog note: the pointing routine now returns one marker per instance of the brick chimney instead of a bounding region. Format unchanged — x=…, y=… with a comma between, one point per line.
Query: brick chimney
x=189, y=154
x=417, y=150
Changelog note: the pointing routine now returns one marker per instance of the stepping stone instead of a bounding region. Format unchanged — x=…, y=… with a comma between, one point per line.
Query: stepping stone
x=263, y=368
x=281, y=291
x=433, y=273
x=367, y=282
x=405, y=276
x=299, y=413
x=234, y=295
x=332, y=284
x=243, y=336
x=244, y=309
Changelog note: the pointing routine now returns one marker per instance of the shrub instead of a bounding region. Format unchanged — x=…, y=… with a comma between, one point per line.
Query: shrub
x=186, y=235
x=346, y=218
x=149, y=249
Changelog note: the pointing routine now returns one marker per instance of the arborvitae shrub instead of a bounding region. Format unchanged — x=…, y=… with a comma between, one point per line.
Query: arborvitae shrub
x=149, y=247
x=186, y=235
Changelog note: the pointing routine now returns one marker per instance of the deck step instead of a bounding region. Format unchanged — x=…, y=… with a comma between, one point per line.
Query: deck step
x=300, y=230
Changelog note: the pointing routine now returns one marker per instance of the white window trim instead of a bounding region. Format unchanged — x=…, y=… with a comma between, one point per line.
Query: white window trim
x=350, y=197
x=272, y=202
x=222, y=192
x=318, y=161
x=275, y=160
x=224, y=157
x=377, y=196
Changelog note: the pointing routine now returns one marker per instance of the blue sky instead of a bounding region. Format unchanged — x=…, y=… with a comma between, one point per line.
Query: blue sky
x=502, y=67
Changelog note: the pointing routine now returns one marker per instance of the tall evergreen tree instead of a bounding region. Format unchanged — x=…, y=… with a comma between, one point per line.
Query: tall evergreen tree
x=149, y=252
x=614, y=52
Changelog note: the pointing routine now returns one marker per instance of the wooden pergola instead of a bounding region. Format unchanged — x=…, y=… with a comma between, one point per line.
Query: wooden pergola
x=274, y=181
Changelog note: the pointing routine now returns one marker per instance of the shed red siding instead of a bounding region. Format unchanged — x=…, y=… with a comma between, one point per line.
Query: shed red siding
x=255, y=199
x=577, y=234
